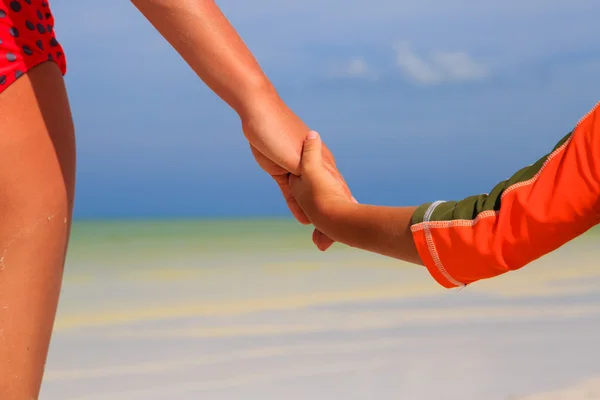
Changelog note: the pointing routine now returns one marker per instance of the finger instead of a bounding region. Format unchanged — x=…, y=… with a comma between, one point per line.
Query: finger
x=311, y=151
x=293, y=191
x=267, y=164
x=320, y=240
x=295, y=209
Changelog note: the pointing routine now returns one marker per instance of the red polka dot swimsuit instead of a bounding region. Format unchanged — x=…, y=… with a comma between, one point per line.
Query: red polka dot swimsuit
x=26, y=39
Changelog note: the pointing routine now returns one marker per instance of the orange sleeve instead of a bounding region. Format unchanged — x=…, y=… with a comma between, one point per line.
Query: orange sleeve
x=539, y=209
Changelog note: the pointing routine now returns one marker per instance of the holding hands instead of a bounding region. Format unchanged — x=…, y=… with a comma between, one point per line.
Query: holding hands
x=316, y=191
x=276, y=137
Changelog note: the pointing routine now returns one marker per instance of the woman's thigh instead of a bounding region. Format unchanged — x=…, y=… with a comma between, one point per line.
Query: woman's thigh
x=37, y=177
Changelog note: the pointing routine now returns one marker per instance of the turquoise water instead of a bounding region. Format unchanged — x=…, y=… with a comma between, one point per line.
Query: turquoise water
x=249, y=309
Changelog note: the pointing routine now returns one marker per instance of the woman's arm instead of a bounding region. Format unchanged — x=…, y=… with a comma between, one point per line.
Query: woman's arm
x=201, y=34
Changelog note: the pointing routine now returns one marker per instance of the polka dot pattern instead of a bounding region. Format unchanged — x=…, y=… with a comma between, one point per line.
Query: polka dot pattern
x=26, y=39
x=15, y=6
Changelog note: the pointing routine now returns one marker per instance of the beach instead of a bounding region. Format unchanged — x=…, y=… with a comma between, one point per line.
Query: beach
x=249, y=309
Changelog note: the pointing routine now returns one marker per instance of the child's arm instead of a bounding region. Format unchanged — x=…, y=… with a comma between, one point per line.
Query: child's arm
x=537, y=210
x=383, y=230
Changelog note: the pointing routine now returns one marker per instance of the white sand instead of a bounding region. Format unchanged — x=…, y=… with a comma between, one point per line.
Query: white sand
x=347, y=326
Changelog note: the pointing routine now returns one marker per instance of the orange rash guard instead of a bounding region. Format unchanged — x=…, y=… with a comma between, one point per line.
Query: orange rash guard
x=537, y=210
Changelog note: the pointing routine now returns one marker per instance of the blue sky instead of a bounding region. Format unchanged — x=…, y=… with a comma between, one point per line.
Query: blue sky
x=419, y=100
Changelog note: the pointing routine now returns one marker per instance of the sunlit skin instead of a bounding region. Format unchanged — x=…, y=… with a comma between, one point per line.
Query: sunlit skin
x=383, y=230
x=206, y=40
x=37, y=177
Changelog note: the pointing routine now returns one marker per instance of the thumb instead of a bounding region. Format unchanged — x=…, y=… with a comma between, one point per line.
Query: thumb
x=311, y=152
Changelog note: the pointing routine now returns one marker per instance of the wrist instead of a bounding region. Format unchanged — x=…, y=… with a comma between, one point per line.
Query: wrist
x=273, y=129
x=337, y=219
x=259, y=95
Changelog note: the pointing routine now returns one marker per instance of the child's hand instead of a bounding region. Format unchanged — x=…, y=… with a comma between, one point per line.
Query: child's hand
x=317, y=192
x=382, y=230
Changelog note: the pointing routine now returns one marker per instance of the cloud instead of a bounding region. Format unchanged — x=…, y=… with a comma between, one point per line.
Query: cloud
x=511, y=35
x=356, y=67
x=439, y=67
